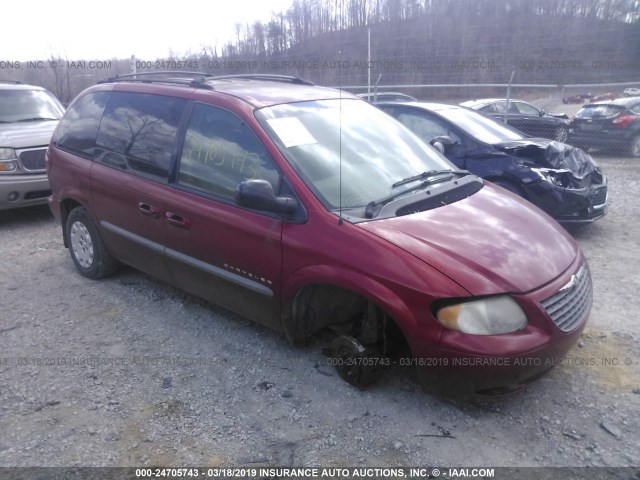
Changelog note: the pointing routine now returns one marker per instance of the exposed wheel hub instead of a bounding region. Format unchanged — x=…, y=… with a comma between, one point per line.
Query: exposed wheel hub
x=358, y=365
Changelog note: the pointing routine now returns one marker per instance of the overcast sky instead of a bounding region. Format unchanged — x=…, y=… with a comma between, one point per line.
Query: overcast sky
x=100, y=30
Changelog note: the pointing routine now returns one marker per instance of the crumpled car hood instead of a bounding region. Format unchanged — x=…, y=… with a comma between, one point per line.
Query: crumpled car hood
x=27, y=134
x=560, y=156
x=490, y=242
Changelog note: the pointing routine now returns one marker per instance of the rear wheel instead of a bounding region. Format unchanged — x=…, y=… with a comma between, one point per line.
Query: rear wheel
x=88, y=251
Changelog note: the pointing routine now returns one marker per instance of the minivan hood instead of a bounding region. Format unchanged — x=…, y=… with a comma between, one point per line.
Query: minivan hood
x=491, y=242
x=27, y=134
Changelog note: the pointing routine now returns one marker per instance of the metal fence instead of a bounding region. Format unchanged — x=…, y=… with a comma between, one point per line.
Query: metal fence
x=594, y=116
x=602, y=118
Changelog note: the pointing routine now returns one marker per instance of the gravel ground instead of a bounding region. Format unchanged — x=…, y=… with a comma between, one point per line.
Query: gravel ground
x=129, y=372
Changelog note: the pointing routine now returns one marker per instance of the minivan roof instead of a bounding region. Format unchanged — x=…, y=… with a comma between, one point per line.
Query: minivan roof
x=259, y=90
x=263, y=93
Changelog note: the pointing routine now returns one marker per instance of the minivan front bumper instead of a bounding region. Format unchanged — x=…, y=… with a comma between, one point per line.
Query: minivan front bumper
x=496, y=364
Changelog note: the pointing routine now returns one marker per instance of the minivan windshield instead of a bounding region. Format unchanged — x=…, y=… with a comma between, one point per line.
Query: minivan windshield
x=348, y=152
x=478, y=126
x=28, y=105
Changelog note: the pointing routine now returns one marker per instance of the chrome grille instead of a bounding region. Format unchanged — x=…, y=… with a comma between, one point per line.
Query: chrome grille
x=569, y=306
x=32, y=160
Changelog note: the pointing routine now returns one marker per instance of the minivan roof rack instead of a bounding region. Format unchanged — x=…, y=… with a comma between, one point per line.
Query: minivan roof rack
x=267, y=77
x=199, y=79
x=14, y=82
x=192, y=79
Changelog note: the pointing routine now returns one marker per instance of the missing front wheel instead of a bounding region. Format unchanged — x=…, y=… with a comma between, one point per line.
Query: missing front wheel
x=356, y=364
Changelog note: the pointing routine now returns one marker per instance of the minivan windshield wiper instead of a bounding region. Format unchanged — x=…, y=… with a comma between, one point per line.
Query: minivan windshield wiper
x=430, y=173
x=432, y=176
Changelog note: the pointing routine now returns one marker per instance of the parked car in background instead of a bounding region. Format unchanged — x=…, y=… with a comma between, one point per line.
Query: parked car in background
x=604, y=96
x=28, y=116
x=579, y=98
x=563, y=181
x=614, y=124
x=631, y=92
x=533, y=121
x=386, y=97
x=308, y=210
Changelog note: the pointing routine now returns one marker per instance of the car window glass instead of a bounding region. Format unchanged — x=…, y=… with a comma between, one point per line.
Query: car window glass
x=78, y=129
x=480, y=127
x=526, y=109
x=138, y=133
x=500, y=107
x=491, y=108
x=599, y=111
x=636, y=109
x=220, y=151
x=513, y=108
x=347, y=151
x=24, y=105
x=427, y=128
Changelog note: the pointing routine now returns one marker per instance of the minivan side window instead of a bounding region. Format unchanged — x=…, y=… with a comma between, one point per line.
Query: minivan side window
x=220, y=151
x=138, y=133
x=78, y=129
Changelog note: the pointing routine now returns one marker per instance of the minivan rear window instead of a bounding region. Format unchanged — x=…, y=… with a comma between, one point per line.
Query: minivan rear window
x=138, y=133
x=78, y=129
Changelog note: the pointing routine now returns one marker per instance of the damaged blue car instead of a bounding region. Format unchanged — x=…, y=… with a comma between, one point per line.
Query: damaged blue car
x=562, y=180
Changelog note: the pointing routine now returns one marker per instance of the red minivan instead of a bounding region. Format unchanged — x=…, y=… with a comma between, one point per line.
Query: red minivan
x=307, y=209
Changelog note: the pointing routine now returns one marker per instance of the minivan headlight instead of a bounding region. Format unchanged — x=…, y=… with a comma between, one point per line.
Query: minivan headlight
x=489, y=316
x=7, y=154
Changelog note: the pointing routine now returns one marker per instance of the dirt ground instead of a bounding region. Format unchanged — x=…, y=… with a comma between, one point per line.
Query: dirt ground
x=129, y=372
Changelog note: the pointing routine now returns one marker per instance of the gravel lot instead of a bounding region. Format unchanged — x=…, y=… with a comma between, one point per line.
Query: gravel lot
x=129, y=371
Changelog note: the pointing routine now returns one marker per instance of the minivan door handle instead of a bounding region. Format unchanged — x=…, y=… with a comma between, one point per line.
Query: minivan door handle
x=147, y=209
x=178, y=220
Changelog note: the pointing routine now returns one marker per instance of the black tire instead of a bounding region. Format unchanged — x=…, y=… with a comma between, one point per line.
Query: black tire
x=561, y=134
x=88, y=251
x=634, y=147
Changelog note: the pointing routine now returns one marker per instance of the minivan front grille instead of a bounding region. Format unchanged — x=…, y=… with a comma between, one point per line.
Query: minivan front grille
x=569, y=306
x=32, y=160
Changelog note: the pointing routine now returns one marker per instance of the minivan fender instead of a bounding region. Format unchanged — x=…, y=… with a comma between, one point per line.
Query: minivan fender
x=351, y=282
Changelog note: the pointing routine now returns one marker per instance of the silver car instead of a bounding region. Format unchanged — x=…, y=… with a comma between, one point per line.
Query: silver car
x=28, y=116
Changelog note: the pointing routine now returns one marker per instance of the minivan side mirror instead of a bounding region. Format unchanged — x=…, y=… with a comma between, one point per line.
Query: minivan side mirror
x=443, y=143
x=258, y=195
